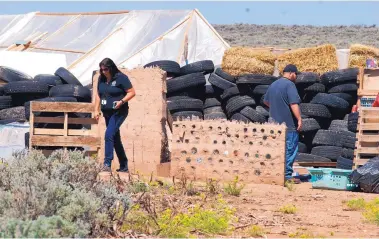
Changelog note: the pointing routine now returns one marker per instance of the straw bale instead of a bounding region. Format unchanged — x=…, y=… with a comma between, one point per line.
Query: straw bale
x=318, y=59
x=244, y=60
x=360, y=53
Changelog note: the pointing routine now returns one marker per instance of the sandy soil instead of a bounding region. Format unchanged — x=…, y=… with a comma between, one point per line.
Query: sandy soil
x=320, y=212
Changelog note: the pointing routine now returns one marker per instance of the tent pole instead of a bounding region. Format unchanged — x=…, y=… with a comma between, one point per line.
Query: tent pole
x=185, y=39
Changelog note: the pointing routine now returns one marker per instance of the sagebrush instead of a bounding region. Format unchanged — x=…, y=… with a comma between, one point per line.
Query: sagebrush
x=58, y=196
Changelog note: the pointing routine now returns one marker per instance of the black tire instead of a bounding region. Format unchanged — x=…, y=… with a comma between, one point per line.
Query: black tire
x=302, y=148
x=263, y=111
x=256, y=79
x=309, y=125
x=2, y=90
x=307, y=78
x=237, y=103
x=229, y=93
x=185, y=105
x=327, y=138
x=179, y=97
x=187, y=114
x=352, y=122
x=214, y=116
x=48, y=99
x=260, y=90
x=210, y=110
x=183, y=82
x=343, y=88
x=315, y=88
x=17, y=113
x=211, y=102
x=330, y=152
x=330, y=101
x=344, y=96
x=315, y=110
x=172, y=68
x=346, y=117
x=338, y=125
x=301, y=157
x=67, y=77
x=225, y=75
x=197, y=92
x=28, y=87
x=348, y=139
x=239, y=117
x=220, y=82
x=344, y=163
x=50, y=80
x=5, y=102
x=27, y=136
x=8, y=75
x=204, y=67
x=348, y=153
x=209, y=90
x=82, y=94
x=339, y=76
x=253, y=115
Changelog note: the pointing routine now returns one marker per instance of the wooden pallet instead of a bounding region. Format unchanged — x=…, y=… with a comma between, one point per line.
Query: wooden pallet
x=63, y=137
x=367, y=145
x=368, y=81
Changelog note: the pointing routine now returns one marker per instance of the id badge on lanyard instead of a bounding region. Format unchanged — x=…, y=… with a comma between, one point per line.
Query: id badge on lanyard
x=105, y=96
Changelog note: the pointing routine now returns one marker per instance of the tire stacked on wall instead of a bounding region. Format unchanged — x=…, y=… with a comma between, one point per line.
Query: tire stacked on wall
x=20, y=89
x=326, y=104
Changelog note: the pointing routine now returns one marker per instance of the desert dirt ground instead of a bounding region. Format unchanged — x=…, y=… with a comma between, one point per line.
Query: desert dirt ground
x=320, y=213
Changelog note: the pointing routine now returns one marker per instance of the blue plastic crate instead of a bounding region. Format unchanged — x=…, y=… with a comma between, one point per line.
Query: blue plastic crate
x=331, y=178
x=367, y=101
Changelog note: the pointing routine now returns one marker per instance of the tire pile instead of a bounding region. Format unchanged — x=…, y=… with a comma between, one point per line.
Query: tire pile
x=20, y=89
x=328, y=132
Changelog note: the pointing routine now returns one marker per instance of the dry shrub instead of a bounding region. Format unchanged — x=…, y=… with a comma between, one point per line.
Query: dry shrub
x=318, y=59
x=61, y=192
x=360, y=53
x=244, y=60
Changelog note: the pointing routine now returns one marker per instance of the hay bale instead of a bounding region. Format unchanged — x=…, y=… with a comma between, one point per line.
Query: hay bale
x=360, y=53
x=244, y=60
x=318, y=59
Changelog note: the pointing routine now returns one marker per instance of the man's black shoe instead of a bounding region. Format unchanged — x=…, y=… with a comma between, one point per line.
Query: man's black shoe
x=123, y=170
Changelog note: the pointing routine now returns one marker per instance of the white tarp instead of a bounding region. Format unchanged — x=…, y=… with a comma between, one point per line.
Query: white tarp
x=33, y=63
x=12, y=138
x=131, y=39
x=343, y=58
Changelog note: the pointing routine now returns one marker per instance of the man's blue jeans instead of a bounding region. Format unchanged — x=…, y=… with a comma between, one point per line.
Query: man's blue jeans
x=292, y=141
x=113, y=122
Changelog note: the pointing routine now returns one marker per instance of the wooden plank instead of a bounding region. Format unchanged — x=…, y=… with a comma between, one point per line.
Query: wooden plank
x=68, y=107
x=65, y=141
x=368, y=150
x=318, y=164
x=56, y=120
x=359, y=162
x=368, y=138
x=70, y=132
x=65, y=124
x=80, y=13
x=369, y=126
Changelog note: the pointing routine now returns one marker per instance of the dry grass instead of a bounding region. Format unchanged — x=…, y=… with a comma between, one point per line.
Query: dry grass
x=244, y=60
x=318, y=59
x=360, y=53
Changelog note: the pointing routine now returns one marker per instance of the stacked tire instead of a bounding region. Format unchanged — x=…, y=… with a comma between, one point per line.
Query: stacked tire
x=327, y=134
x=21, y=89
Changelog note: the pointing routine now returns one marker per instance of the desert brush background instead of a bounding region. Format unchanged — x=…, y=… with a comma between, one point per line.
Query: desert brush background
x=296, y=36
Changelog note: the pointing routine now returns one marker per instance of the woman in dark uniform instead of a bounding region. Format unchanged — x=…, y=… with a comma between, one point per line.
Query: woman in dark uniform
x=114, y=92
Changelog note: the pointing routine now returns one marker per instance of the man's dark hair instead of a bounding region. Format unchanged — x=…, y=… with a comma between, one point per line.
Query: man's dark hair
x=107, y=62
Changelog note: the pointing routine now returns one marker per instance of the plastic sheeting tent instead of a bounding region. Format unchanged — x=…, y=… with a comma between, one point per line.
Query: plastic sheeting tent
x=130, y=38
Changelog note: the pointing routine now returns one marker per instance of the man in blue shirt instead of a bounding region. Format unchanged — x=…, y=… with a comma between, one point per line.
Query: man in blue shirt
x=283, y=100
